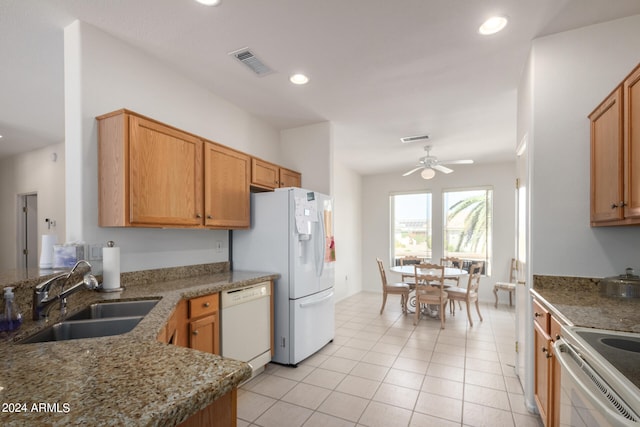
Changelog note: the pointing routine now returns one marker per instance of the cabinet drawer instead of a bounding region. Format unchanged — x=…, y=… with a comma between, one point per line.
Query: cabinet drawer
x=541, y=316
x=207, y=304
x=555, y=329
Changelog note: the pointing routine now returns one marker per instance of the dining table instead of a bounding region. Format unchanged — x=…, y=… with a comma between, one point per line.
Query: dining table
x=410, y=270
x=406, y=270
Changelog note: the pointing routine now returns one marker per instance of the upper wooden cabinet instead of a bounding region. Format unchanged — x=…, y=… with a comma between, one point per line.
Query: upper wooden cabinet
x=226, y=187
x=615, y=156
x=268, y=176
x=153, y=175
x=289, y=178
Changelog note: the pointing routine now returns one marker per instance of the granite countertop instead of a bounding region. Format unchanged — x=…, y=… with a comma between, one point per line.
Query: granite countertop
x=577, y=301
x=129, y=379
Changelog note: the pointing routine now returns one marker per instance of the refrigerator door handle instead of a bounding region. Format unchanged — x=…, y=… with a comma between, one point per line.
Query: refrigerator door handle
x=317, y=301
x=320, y=246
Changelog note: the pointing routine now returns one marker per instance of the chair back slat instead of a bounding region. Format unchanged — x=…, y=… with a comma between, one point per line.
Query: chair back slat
x=452, y=262
x=383, y=275
x=474, y=277
x=428, y=274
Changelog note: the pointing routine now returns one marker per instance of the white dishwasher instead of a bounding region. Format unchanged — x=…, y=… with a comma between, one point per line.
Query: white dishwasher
x=246, y=325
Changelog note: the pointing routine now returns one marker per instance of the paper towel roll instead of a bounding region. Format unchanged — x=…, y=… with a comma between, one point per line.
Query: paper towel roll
x=46, y=252
x=110, y=268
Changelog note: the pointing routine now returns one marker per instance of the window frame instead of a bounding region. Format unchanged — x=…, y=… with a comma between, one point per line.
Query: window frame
x=392, y=223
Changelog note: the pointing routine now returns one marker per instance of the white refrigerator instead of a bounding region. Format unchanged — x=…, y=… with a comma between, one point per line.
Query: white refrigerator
x=292, y=234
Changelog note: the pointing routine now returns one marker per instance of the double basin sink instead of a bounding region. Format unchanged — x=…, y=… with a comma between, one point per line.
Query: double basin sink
x=97, y=320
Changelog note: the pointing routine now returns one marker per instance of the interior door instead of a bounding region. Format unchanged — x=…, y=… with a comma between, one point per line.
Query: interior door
x=27, y=242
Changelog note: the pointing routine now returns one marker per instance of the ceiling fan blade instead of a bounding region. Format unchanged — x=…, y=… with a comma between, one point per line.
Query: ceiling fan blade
x=457, y=162
x=412, y=171
x=442, y=169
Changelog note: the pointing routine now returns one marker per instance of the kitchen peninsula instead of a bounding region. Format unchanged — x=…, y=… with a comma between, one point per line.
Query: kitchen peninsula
x=130, y=379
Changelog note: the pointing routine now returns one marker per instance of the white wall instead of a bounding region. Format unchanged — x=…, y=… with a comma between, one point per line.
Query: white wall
x=103, y=74
x=375, y=219
x=348, y=231
x=28, y=173
x=566, y=77
x=571, y=74
x=310, y=149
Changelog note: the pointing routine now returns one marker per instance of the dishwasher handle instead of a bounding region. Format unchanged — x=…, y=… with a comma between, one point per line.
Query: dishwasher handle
x=594, y=388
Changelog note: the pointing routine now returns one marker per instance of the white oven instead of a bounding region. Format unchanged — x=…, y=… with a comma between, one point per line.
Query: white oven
x=594, y=390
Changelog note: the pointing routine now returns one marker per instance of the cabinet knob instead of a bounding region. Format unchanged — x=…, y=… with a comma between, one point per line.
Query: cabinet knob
x=209, y=217
x=557, y=337
x=206, y=305
x=195, y=332
x=536, y=314
x=198, y=216
x=613, y=205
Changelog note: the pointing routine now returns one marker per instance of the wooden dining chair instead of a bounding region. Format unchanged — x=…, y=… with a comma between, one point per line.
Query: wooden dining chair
x=509, y=286
x=430, y=289
x=469, y=294
x=452, y=262
x=401, y=289
x=409, y=260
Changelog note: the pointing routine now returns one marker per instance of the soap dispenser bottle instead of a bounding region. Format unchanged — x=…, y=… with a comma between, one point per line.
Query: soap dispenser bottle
x=11, y=318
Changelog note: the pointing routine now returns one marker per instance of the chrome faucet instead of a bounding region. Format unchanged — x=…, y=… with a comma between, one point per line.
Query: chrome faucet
x=41, y=301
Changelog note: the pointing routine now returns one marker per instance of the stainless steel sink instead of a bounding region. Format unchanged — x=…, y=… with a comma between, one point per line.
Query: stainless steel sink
x=71, y=330
x=115, y=309
x=622, y=343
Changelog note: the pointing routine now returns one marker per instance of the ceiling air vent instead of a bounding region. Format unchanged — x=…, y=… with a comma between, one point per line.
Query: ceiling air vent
x=408, y=139
x=251, y=61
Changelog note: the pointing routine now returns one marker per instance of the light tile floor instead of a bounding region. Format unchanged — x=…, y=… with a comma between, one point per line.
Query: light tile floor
x=380, y=370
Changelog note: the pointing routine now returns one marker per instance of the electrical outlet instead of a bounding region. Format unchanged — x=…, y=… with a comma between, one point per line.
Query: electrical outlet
x=95, y=252
x=219, y=246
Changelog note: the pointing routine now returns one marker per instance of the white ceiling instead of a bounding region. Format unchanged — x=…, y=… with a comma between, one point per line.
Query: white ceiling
x=379, y=70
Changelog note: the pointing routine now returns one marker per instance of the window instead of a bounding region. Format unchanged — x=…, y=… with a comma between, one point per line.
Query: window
x=410, y=226
x=468, y=225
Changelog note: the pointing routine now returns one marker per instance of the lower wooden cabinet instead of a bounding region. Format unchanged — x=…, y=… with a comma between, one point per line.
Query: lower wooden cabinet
x=546, y=366
x=222, y=412
x=204, y=323
x=195, y=324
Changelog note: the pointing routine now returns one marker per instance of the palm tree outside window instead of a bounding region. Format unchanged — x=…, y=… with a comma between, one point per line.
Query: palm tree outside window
x=468, y=216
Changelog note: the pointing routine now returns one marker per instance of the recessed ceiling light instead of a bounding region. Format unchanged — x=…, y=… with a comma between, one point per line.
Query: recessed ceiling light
x=209, y=2
x=299, y=79
x=493, y=25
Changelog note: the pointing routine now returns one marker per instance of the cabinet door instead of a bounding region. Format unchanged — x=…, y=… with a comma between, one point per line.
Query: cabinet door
x=542, y=348
x=607, y=160
x=165, y=175
x=632, y=144
x=554, y=382
x=264, y=174
x=227, y=194
x=203, y=334
x=289, y=178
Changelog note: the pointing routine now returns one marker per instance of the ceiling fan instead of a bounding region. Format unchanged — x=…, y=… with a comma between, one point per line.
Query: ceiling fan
x=430, y=164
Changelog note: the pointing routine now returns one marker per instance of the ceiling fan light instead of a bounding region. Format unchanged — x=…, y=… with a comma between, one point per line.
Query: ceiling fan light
x=427, y=173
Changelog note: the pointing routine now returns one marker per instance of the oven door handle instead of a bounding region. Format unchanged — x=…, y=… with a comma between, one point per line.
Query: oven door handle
x=599, y=399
